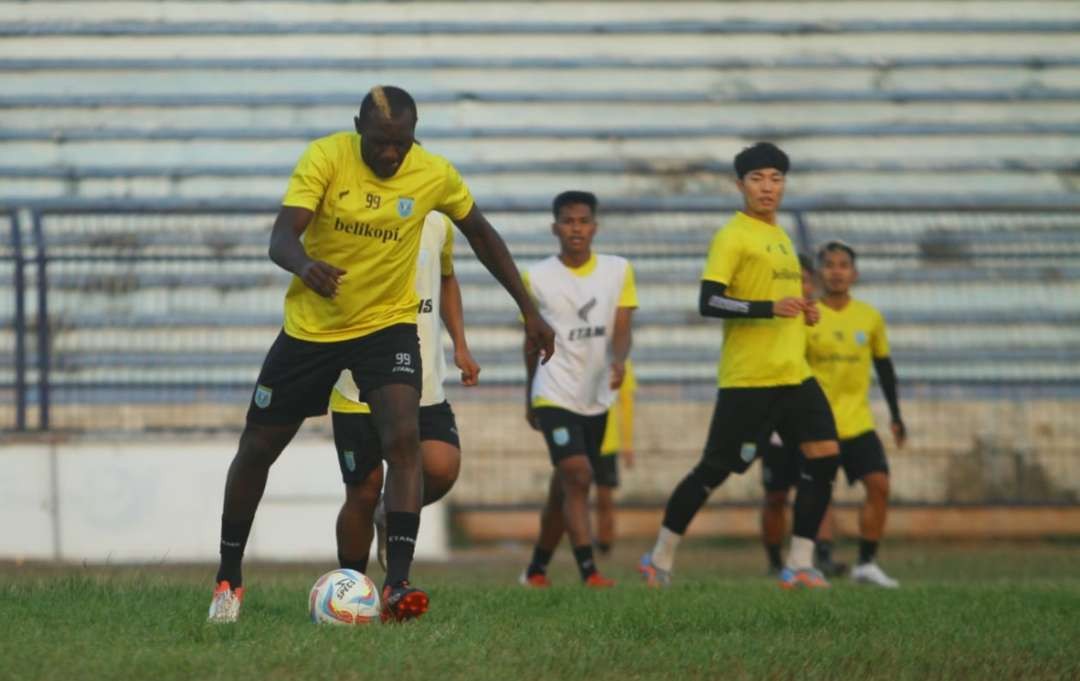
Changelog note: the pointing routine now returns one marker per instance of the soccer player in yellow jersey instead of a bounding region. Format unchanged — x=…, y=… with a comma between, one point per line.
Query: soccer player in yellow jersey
x=589, y=299
x=618, y=443
x=840, y=349
x=349, y=231
x=752, y=280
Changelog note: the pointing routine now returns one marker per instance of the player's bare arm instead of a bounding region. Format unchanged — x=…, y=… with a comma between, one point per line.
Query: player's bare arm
x=288, y=253
x=452, y=313
x=621, y=339
x=493, y=253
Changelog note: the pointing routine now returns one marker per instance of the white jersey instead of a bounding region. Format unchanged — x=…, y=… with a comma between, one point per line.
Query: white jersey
x=434, y=261
x=579, y=304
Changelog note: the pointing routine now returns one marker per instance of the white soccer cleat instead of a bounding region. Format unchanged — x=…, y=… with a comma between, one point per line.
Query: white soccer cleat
x=225, y=607
x=871, y=573
x=380, y=533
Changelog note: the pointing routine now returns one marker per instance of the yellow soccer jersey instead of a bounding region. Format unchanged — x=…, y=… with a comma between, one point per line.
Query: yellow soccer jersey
x=369, y=227
x=619, y=431
x=757, y=261
x=840, y=349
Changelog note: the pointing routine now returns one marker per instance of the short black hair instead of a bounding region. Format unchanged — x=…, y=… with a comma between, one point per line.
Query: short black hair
x=761, y=155
x=834, y=246
x=806, y=262
x=391, y=100
x=572, y=197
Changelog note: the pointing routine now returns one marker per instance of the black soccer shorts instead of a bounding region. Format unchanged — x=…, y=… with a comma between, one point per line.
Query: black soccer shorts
x=745, y=417
x=862, y=455
x=359, y=450
x=297, y=375
x=779, y=464
x=605, y=470
x=568, y=433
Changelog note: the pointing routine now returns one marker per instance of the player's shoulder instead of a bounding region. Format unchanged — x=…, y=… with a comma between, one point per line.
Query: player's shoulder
x=337, y=142
x=736, y=227
x=547, y=266
x=864, y=308
x=613, y=261
x=427, y=160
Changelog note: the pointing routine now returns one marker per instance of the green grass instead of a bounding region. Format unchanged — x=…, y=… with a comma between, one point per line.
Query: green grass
x=980, y=612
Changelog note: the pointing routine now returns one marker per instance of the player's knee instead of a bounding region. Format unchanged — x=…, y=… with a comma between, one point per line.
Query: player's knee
x=877, y=486
x=820, y=449
x=261, y=445
x=575, y=475
x=364, y=494
x=605, y=500
x=709, y=475
x=776, y=501
x=401, y=442
x=441, y=471
x=821, y=469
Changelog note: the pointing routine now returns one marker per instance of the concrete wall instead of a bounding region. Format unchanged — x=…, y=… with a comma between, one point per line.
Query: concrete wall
x=159, y=500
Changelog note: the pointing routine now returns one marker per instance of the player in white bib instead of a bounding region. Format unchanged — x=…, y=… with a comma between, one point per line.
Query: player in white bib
x=589, y=300
x=358, y=447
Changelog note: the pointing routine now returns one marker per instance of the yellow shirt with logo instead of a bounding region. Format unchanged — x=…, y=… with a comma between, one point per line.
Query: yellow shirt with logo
x=840, y=349
x=757, y=261
x=368, y=226
x=619, y=431
x=435, y=261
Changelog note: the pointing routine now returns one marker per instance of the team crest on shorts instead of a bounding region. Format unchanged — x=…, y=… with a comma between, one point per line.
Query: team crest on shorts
x=404, y=207
x=748, y=452
x=262, y=396
x=350, y=461
x=561, y=436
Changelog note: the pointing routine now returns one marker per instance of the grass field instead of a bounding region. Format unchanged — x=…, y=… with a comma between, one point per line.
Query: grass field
x=990, y=611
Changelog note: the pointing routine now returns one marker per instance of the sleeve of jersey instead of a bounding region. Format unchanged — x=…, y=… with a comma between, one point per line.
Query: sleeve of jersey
x=879, y=339
x=446, y=255
x=723, y=256
x=457, y=201
x=309, y=179
x=528, y=289
x=628, y=297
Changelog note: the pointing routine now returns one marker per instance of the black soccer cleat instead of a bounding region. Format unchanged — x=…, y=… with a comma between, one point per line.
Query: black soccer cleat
x=402, y=602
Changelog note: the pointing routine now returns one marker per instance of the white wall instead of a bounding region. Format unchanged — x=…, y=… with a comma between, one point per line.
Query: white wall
x=160, y=500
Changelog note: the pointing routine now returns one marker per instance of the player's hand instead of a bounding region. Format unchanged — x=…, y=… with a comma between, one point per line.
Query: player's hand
x=321, y=277
x=788, y=307
x=627, y=458
x=618, y=373
x=530, y=417
x=811, y=313
x=899, y=433
x=539, y=337
x=470, y=370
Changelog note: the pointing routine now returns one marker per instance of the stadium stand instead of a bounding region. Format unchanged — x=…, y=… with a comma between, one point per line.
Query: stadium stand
x=142, y=159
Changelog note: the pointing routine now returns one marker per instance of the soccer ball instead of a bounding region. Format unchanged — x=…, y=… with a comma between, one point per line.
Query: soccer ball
x=344, y=597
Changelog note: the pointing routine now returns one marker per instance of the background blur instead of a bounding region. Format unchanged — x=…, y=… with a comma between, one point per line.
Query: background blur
x=144, y=147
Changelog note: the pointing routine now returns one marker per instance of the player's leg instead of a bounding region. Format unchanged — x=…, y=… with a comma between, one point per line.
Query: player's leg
x=779, y=473
x=387, y=370
x=294, y=383
x=864, y=460
x=440, y=451
x=606, y=477
x=823, y=547
x=552, y=528
x=806, y=418
x=740, y=417
x=360, y=459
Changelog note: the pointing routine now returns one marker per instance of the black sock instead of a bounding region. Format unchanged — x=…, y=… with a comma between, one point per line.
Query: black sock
x=813, y=495
x=690, y=495
x=540, y=559
x=585, y=563
x=234, y=537
x=358, y=565
x=401, y=530
x=867, y=551
x=823, y=551
x=603, y=548
x=775, y=560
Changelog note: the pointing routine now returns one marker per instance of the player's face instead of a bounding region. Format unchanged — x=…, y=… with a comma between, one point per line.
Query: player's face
x=838, y=272
x=575, y=229
x=385, y=142
x=762, y=190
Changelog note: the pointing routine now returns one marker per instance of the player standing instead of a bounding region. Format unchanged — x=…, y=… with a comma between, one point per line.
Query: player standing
x=851, y=335
x=349, y=231
x=752, y=281
x=357, y=442
x=589, y=300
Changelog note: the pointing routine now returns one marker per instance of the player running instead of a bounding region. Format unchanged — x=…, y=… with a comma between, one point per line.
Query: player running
x=358, y=447
x=589, y=299
x=840, y=349
x=752, y=281
x=349, y=231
